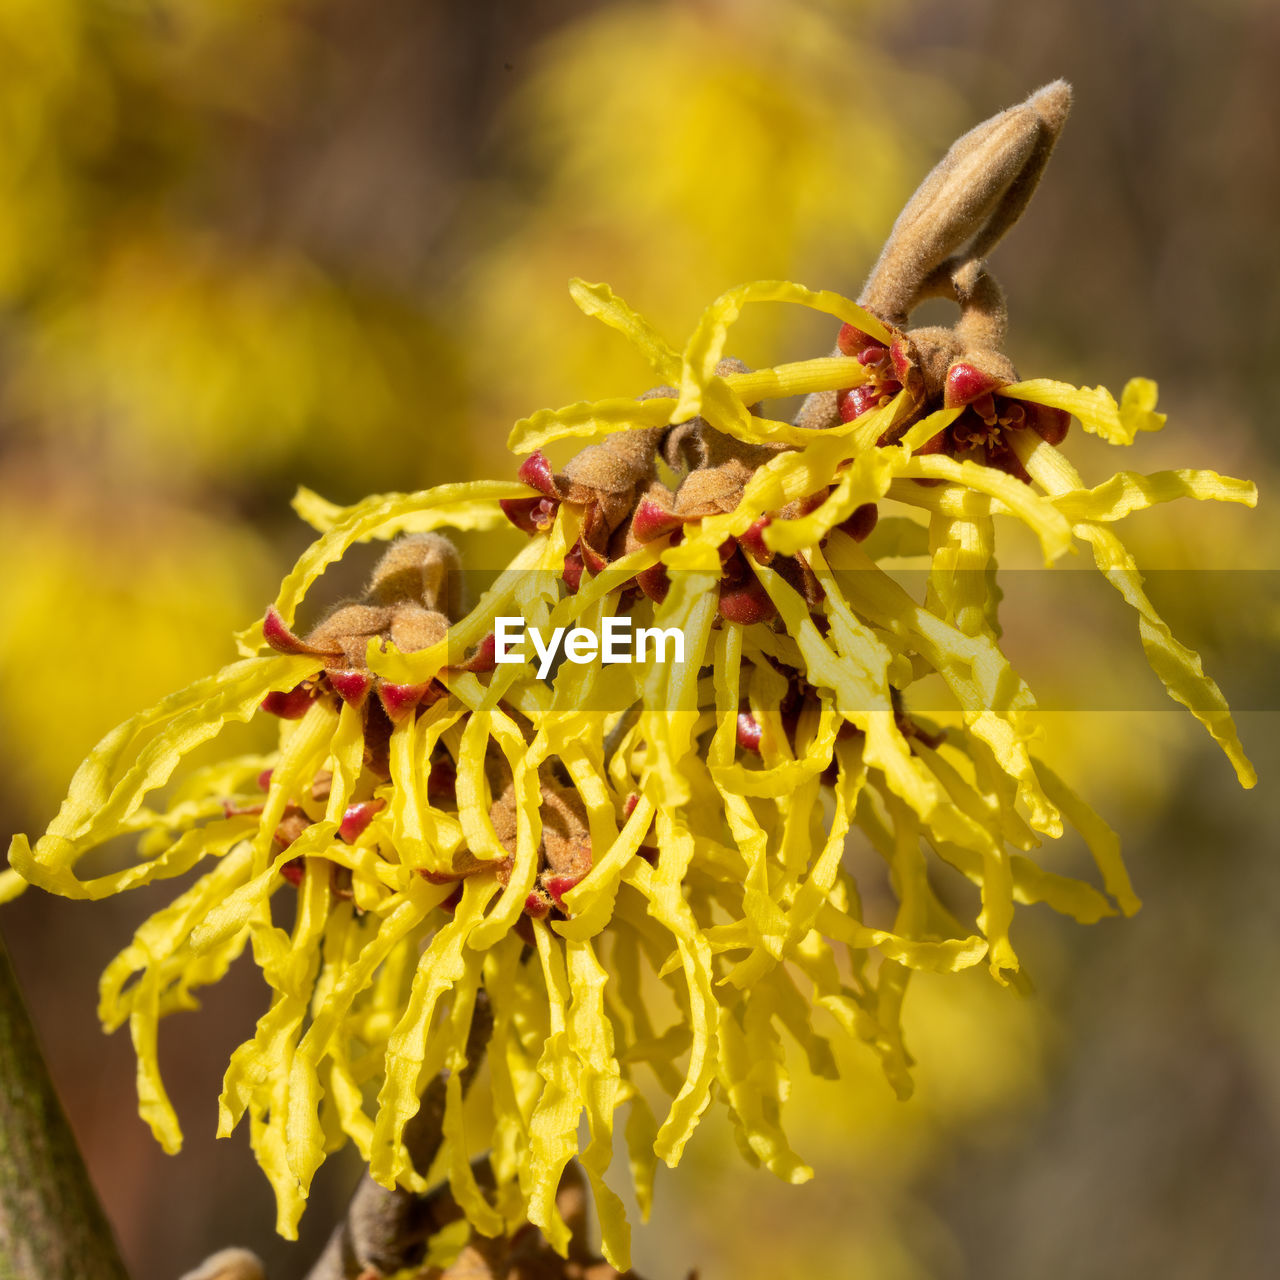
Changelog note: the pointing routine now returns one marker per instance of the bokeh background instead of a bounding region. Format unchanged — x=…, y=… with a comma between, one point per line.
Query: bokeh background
x=247, y=244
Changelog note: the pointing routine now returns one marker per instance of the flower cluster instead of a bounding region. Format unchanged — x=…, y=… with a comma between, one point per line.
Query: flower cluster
x=642, y=867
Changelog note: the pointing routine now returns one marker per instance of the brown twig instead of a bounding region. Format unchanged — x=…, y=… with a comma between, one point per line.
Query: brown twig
x=52, y=1226
x=526, y=1255
x=386, y=1231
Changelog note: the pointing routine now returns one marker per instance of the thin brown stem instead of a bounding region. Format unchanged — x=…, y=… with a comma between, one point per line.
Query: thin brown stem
x=385, y=1231
x=52, y=1226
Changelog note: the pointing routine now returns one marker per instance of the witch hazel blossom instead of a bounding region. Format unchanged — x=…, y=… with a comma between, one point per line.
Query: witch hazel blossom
x=593, y=844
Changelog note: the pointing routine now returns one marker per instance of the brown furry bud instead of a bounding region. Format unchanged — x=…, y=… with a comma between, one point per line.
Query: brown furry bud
x=414, y=628
x=974, y=195
x=566, y=839
x=708, y=491
x=421, y=568
x=348, y=622
x=620, y=465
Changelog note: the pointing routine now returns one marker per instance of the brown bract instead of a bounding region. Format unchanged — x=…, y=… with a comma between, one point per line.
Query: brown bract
x=413, y=595
x=564, y=849
x=604, y=480
x=715, y=467
x=407, y=601
x=937, y=248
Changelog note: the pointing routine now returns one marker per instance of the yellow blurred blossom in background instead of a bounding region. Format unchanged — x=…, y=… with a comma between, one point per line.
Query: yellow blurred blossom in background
x=227, y=264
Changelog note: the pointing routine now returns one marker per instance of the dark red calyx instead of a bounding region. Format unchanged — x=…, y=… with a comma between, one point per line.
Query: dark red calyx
x=934, y=444
x=535, y=471
x=442, y=781
x=435, y=691
x=748, y=732
x=857, y=401
x=537, y=905
x=291, y=704
x=966, y=383
x=351, y=685
x=630, y=807
x=294, y=870
x=593, y=522
x=572, y=572
x=851, y=340
x=264, y=778
x=529, y=515
x=450, y=904
x=485, y=656
x=398, y=700
x=276, y=632
x=985, y=407
x=655, y=582
x=1004, y=459
x=558, y=886
x=1049, y=424
x=591, y=558
x=900, y=357
x=357, y=818
x=795, y=572
x=1012, y=414
x=753, y=543
x=648, y=853
x=859, y=525
x=745, y=602
x=651, y=521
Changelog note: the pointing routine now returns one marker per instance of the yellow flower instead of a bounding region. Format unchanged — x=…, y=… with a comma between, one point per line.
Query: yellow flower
x=638, y=865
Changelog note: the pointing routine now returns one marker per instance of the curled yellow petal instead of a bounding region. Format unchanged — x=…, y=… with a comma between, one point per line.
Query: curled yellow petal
x=1096, y=407
x=600, y=301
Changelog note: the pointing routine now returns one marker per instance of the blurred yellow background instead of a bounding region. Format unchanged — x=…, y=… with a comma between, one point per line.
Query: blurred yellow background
x=245, y=246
